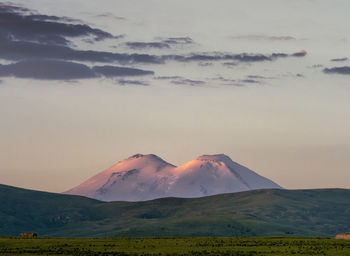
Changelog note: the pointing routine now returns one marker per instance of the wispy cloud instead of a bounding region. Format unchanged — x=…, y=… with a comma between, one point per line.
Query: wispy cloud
x=338, y=70
x=112, y=71
x=25, y=50
x=65, y=70
x=184, y=81
x=263, y=37
x=145, y=45
x=132, y=82
x=242, y=57
x=339, y=59
x=239, y=82
x=178, y=40
x=166, y=43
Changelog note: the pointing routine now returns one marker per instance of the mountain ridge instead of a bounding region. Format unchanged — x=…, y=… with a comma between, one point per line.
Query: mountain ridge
x=145, y=177
x=268, y=212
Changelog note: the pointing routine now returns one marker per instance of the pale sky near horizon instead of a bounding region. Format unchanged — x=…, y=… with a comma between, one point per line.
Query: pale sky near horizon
x=283, y=117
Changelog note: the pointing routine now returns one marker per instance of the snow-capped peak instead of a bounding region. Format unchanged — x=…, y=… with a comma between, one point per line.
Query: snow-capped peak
x=144, y=177
x=218, y=158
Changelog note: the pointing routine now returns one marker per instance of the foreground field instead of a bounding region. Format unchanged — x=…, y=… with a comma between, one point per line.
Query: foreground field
x=174, y=246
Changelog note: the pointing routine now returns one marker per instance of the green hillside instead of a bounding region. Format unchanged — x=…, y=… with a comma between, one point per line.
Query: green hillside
x=321, y=213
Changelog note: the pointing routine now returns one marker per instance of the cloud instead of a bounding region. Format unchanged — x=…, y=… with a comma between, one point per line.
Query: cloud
x=18, y=50
x=264, y=37
x=161, y=44
x=230, y=64
x=340, y=59
x=179, y=80
x=26, y=50
x=168, y=77
x=178, y=40
x=112, y=71
x=64, y=70
x=184, y=81
x=143, y=45
x=251, y=79
x=36, y=41
x=256, y=77
x=17, y=25
x=242, y=57
x=302, y=53
x=338, y=70
x=109, y=15
x=316, y=66
x=132, y=82
x=205, y=64
x=26, y=36
x=47, y=69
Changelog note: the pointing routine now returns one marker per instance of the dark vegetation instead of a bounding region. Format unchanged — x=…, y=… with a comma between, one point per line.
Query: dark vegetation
x=306, y=213
x=175, y=246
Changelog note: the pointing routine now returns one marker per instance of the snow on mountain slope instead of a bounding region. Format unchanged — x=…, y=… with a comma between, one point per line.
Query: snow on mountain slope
x=146, y=177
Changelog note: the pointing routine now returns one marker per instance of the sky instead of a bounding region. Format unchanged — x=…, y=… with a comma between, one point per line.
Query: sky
x=85, y=84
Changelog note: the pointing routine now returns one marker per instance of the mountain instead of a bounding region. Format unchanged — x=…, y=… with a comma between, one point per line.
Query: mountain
x=146, y=177
x=268, y=212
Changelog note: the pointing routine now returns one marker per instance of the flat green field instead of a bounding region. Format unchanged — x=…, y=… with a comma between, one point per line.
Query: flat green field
x=174, y=246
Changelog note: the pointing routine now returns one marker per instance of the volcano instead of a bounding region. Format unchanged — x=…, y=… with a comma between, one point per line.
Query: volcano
x=146, y=177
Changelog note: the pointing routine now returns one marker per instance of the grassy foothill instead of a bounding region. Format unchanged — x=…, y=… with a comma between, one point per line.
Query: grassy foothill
x=175, y=246
x=257, y=213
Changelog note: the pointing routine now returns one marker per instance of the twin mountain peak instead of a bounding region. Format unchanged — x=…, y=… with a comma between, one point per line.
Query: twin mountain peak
x=146, y=177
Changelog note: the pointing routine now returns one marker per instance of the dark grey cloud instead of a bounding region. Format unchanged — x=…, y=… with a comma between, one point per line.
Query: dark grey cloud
x=300, y=54
x=178, y=40
x=27, y=50
x=255, y=77
x=161, y=44
x=227, y=81
x=168, y=77
x=166, y=43
x=17, y=24
x=145, y=45
x=264, y=37
x=184, y=81
x=26, y=36
x=205, y=64
x=250, y=81
x=40, y=47
x=42, y=17
x=239, y=82
x=64, y=70
x=109, y=15
x=316, y=66
x=338, y=70
x=47, y=69
x=230, y=64
x=18, y=50
x=112, y=71
x=132, y=82
x=217, y=56
x=340, y=59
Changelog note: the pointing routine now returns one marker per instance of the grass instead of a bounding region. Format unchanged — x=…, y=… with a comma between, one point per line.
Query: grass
x=259, y=213
x=174, y=246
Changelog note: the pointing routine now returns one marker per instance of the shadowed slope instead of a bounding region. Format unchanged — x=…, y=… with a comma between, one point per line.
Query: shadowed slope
x=252, y=213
